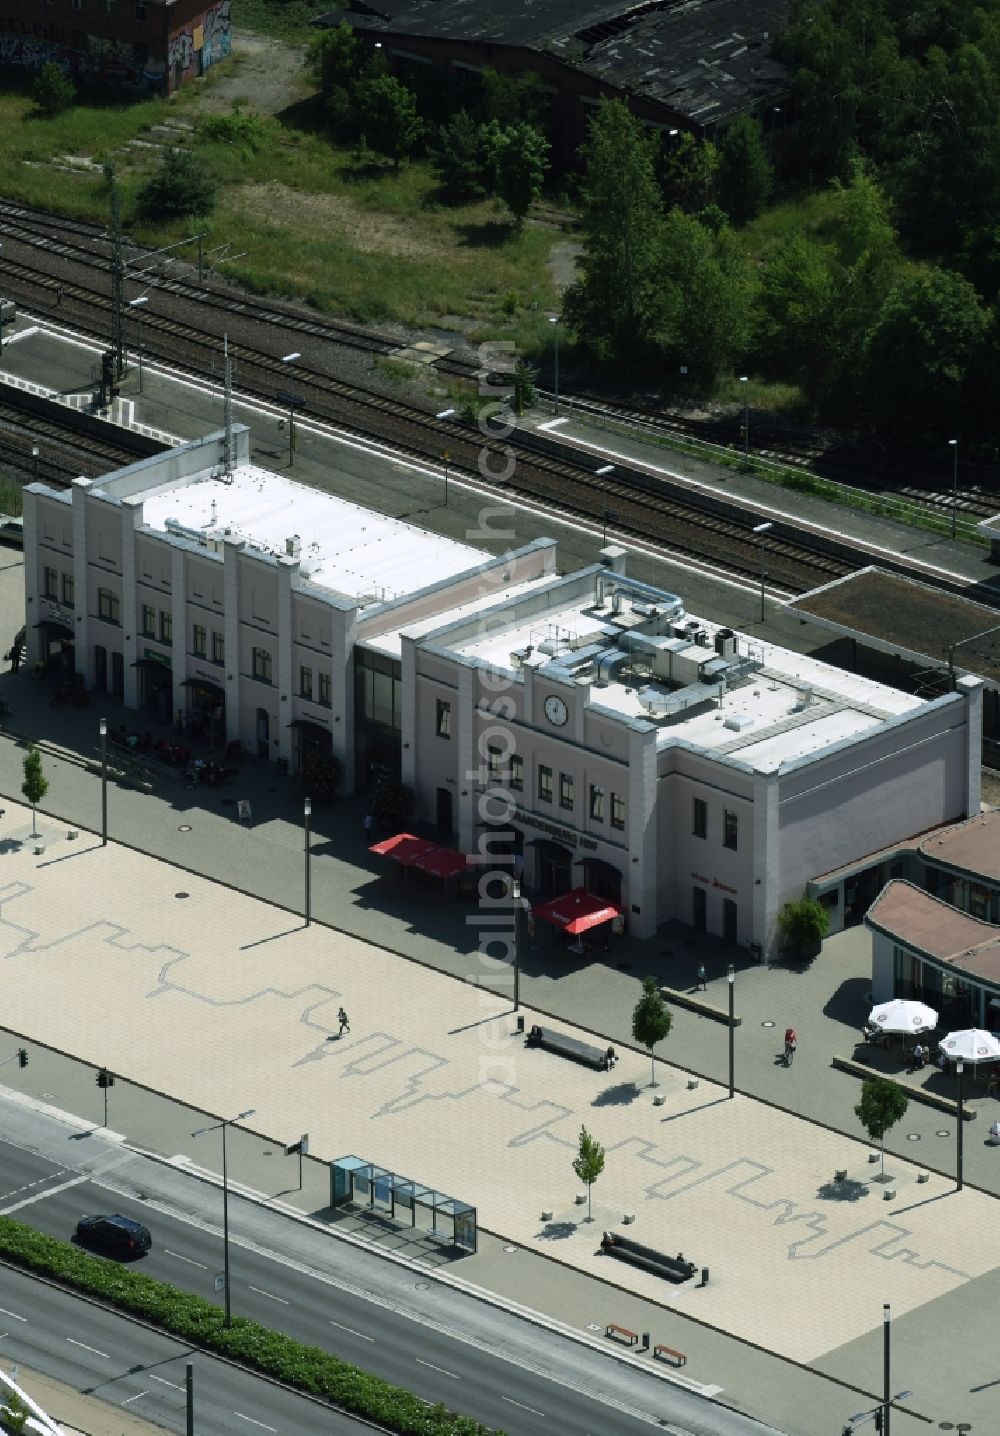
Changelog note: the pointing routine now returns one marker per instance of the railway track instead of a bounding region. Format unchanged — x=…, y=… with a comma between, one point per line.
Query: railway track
x=64, y=451
x=669, y=514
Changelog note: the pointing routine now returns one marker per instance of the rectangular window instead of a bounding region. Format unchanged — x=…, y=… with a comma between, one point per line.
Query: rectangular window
x=68, y=589
x=108, y=605
x=730, y=830
x=262, y=665
x=699, y=824
x=140, y=9
x=109, y=7
x=494, y=764
x=565, y=790
x=78, y=4
x=443, y=728
x=199, y=641
x=51, y=582
x=218, y=647
x=596, y=803
x=618, y=811
x=166, y=627
x=544, y=783
x=306, y=683
x=325, y=690
x=148, y=621
x=517, y=772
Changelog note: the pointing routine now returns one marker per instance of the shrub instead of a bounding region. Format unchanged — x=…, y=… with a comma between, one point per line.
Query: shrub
x=803, y=924
x=181, y=186
x=53, y=92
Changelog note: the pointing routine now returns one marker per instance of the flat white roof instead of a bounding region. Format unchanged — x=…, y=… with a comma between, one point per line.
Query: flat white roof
x=774, y=724
x=344, y=547
x=391, y=641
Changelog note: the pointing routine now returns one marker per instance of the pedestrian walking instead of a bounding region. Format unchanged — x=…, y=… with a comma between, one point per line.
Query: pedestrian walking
x=15, y=657
x=366, y=827
x=345, y=1025
x=919, y=1057
x=791, y=1042
x=701, y=978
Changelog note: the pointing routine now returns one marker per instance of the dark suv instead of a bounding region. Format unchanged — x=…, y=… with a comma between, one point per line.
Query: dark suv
x=119, y=1236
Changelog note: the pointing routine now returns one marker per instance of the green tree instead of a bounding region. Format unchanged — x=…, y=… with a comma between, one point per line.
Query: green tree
x=35, y=784
x=689, y=171
x=651, y=1021
x=458, y=159
x=14, y=1413
x=796, y=314
x=703, y=296
x=882, y=1105
x=922, y=352
x=181, y=186
x=386, y=114
x=803, y=924
x=53, y=91
x=746, y=178
x=513, y=99
x=524, y=377
x=613, y=305
x=519, y=163
x=334, y=58
x=589, y=1163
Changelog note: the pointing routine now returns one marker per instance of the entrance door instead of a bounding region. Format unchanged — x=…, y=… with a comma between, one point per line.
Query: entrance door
x=699, y=909
x=444, y=811
x=100, y=668
x=555, y=870
x=118, y=675
x=729, y=919
x=263, y=733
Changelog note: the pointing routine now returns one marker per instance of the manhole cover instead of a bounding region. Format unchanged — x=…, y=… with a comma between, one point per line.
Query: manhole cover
x=509, y=1250
x=913, y=1136
x=943, y=1132
x=767, y=1024
x=594, y=1326
x=182, y=895
x=422, y=1286
x=184, y=828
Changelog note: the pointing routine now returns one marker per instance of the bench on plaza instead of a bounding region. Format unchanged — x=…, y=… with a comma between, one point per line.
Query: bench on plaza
x=667, y=1353
x=567, y=1046
x=621, y=1333
x=914, y=1092
x=675, y=1269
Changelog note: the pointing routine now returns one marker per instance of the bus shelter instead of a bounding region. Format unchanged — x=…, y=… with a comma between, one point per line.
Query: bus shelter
x=442, y=1218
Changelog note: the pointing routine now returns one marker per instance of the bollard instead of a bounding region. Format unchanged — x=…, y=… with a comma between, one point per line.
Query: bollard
x=704, y=1276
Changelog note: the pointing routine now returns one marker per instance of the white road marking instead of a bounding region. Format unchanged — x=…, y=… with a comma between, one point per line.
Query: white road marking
x=140, y=1394
x=5, y=1312
x=164, y=1382
x=363, y=1337
x=443, y=1372
x=85, y=1347
x=552, y=424
x=253, y=1422
x=190, y=1260
x=47, y=1192
x=520, y=1404
x=261, y=1292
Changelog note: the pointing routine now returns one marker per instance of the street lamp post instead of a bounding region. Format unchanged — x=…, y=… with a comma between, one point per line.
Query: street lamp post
x=103, y=730
x=515, y=888
x=445, y=454
x=137, y=305
x=215, y=1127
x=731, y=975
x=745, y=381
x=960, y=1069
x=760, y=530
x=603, y=473
x=953, y=446
x=307, y=808
x=290, y=359
x=554, y=321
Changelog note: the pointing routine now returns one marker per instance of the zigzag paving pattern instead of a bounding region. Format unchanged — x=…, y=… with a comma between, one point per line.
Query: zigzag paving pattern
x=226, y=1002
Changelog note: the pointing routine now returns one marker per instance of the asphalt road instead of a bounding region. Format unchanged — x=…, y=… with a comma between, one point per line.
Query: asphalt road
x=407, y=1327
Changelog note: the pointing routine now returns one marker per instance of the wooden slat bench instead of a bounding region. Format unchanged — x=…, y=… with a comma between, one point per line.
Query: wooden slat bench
x=621, y=1333
x=675, y=1269
x=567, y=1046
x=667, y=1353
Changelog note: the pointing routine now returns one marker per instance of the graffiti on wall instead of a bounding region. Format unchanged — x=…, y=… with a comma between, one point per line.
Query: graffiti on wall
x=105, y=61
x=192, y=50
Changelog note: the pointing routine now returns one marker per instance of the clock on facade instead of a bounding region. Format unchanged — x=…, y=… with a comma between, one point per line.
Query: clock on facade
x=555, y=710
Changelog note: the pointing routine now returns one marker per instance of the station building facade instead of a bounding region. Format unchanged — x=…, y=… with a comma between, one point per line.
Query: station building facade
x=583, y=726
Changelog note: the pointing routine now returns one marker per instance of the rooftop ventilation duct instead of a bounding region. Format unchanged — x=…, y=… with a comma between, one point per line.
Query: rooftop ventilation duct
x=620, y=583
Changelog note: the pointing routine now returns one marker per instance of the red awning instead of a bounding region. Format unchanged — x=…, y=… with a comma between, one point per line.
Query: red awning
x=441, y=863
x=577, y=911
x=404, y=847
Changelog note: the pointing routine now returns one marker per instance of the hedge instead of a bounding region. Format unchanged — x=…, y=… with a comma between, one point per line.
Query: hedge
x=193, y=1319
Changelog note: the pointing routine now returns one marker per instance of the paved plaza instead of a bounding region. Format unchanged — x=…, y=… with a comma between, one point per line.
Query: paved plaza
x=224, y=1001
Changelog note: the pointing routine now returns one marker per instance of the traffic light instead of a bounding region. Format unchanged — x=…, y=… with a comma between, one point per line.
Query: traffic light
x=105, y=1078
x=22, y=1057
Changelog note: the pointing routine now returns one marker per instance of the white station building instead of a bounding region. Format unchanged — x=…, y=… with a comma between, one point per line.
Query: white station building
x=584, y=721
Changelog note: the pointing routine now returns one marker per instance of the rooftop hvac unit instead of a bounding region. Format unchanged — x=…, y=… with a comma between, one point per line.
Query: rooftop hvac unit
x=701, y=638
x=738, y=722
x=552, y=646
x=725, y=643
x=804, y=694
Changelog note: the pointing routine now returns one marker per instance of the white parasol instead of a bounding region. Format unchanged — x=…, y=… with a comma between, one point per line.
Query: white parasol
x=970, y=1045
x=900, y=1015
